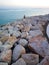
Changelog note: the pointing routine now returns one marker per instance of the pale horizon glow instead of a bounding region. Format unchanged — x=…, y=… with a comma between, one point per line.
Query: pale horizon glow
x=25, y=3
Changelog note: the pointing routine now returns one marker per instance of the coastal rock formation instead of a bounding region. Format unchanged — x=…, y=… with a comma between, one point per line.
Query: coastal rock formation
x=24, y=42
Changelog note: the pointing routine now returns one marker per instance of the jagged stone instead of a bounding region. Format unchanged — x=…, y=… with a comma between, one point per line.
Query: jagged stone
x=31, y=59
x=19, y=62
x=18, y=51
x=39, y=45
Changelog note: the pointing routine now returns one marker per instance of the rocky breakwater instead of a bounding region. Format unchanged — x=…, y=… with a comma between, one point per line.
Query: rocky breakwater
x=24, y=43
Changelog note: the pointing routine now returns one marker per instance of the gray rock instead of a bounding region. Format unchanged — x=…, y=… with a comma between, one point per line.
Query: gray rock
x=18, y=51
x=23, y=42
x=19, y=62
x=31, y=59
x=2, y=63
x=35, y=33
x=47, y=30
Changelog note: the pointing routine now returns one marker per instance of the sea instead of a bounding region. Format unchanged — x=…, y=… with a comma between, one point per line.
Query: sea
x=12, y=14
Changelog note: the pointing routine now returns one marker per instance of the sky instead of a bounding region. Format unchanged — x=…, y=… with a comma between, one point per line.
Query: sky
x=25, y=3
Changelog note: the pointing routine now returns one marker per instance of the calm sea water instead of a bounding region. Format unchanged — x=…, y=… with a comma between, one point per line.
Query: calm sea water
x=10, y=15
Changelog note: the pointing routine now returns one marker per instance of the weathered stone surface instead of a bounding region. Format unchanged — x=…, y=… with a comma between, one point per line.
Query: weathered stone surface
x=2, y=63
x=24, y=34
x=23, y=42
x=11, y=40
x=47, y=31
x=5, y=56
x=35, y=33
x=31, y=59
x=45, y=61
x=1, y=43
x=17, y=33
x=26, y=28
x=5, y=47
x=19, y=62
x=18, y=50
x=4, y=39
x=40, y=45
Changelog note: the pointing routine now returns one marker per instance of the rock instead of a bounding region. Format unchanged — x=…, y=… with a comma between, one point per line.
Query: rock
x=20, y=26
x=17, y=33
x=26, y=28
x=11, y=40
x=2, y=63
x=1, y=43
x=24, y=34
x=47, y=30
x=35, y=33
x=45, y=61
x=31, y=59
x=18, y=51
x=19, y=62
x=39, y=45
x=5, y=56
x=23, y=42
x=5, y=47
x=4, y=39
x=10, y=29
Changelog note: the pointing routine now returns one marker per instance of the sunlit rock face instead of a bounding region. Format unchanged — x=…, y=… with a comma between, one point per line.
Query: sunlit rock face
x=47, y=30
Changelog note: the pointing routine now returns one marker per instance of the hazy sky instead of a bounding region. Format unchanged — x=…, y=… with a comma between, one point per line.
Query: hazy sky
x=25, y=3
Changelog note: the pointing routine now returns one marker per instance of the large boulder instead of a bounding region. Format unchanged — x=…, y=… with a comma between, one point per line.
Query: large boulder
x=39, y=45
x=18, y=51
x=31, y=59
x=11, y=40
x=19, y=62
x=5, y=56
x=35, y=33
x=45, y=61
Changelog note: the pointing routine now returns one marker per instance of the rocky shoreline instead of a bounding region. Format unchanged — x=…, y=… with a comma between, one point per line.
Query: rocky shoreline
x=24, y=42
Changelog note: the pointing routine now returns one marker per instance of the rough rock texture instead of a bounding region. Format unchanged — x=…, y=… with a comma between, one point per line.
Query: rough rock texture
x=2, y=63
x=31, y=59
x=23, y=42
x=40, y=45
x=35, y=33
x=19, y=62
x=45, y=61
x=5, y=56
x=18, y=50
x=11, y=40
